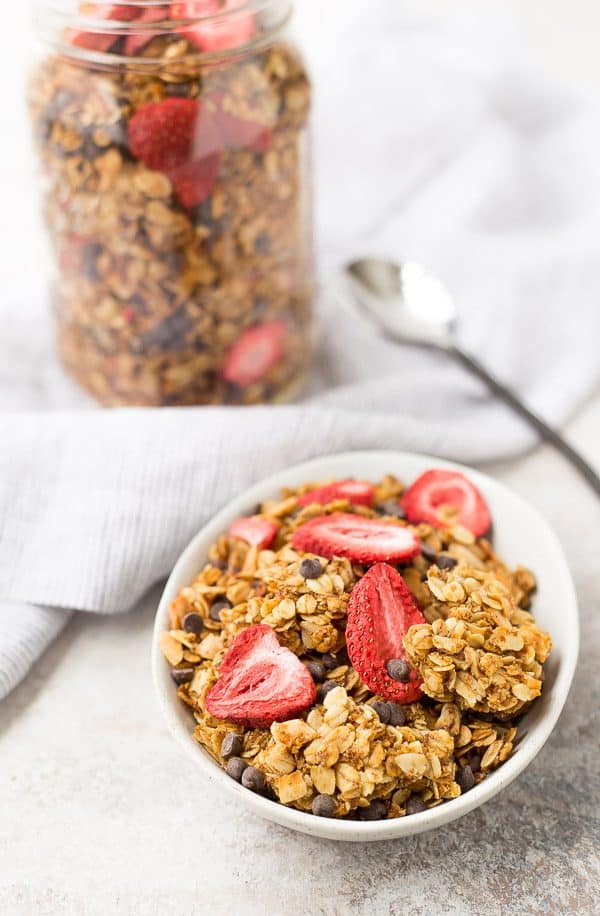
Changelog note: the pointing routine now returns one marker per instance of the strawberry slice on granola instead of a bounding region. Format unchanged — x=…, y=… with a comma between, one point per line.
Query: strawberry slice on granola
x=260, y=682
x=381, y=610
x=365, y=540
x=357, y=492
x=445, y=498
x=255, y=530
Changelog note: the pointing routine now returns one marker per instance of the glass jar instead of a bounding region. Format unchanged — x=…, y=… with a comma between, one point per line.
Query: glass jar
x=175, y=159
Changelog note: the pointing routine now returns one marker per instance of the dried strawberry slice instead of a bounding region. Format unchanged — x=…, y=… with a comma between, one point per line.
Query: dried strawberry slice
x=365, y=540
x=381, y=610
x=225, y=31
x=260, y=682
x=255, y=353
x=255, y=530
x=195, y=181
x=136, y=42
x=239, y=133
x=102, y=41
x=358, y=492
x=444, y=498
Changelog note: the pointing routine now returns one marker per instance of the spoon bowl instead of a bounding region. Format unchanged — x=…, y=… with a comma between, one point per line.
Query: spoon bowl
x=405, y=301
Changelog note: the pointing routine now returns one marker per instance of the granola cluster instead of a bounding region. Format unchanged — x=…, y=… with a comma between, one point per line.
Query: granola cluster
x=154, y=292
x=480, y=655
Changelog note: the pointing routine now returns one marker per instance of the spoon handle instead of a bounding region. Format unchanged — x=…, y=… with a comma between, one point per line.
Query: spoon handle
x=546, y=432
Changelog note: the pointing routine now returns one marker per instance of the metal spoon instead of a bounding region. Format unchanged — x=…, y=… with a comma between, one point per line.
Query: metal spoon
x=411, y=306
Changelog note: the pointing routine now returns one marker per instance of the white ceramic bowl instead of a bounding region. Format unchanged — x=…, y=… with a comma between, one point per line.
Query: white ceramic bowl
x=520, y=535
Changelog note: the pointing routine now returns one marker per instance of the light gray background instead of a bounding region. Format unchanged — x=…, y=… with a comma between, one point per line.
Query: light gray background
x=99, y=814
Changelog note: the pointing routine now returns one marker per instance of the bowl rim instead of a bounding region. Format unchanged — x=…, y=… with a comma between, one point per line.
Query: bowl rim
x=331, y=828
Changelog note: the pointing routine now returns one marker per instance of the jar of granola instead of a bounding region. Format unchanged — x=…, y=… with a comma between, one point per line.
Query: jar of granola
x=175, y=158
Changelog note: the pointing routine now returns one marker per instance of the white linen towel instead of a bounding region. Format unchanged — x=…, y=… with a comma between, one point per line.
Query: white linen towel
x=438, y=144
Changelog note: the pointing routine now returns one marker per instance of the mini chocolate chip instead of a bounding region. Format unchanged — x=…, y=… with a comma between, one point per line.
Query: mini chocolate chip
x=330, y=661
x=253, y=779
x=415, y=805
x=324, y=689
x=317, y=670
x=383, y=711
x=465, y=778
x=220, y=605
x=311, y=568
x=323, y=806
x=193, y=623
x=262, y=243
x=474, y=761
x=231, y=746
x=399, y=670
x=391, y=507
x=235, y=768
x=429, y=553
x=446, y=562
x=376, y=811
x=90, y=255
x=182, y=675
x=397, y=714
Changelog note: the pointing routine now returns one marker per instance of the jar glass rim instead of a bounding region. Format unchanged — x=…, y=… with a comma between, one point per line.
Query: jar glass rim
x=54, y=20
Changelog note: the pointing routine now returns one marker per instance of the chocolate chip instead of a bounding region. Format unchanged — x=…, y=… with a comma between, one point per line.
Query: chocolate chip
x=90, y=255
x=193, y=623
x=474, y=761
x=446, y=562
x=324, y=689
x=220, y=605
x=169, y=334
x=317, y=670
x=383, y=711
x=231, y=746
x=253, y=779
x=397, y=715
x=179, y=90
x=429, y=553
x=311, y=569
x=376, y=811
x=262, y=243
x=465, y=778
x=391, y=507
x=182, y=675
x=330, y=661
x=323, y=806
x=399, y=670
x=235, y=768
x=415, y=805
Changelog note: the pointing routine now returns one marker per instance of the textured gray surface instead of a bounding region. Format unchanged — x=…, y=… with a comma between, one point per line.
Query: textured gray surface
x=101, y=814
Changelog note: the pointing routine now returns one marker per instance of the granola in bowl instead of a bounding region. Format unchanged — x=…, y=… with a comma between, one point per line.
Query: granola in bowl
x=356, y=650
